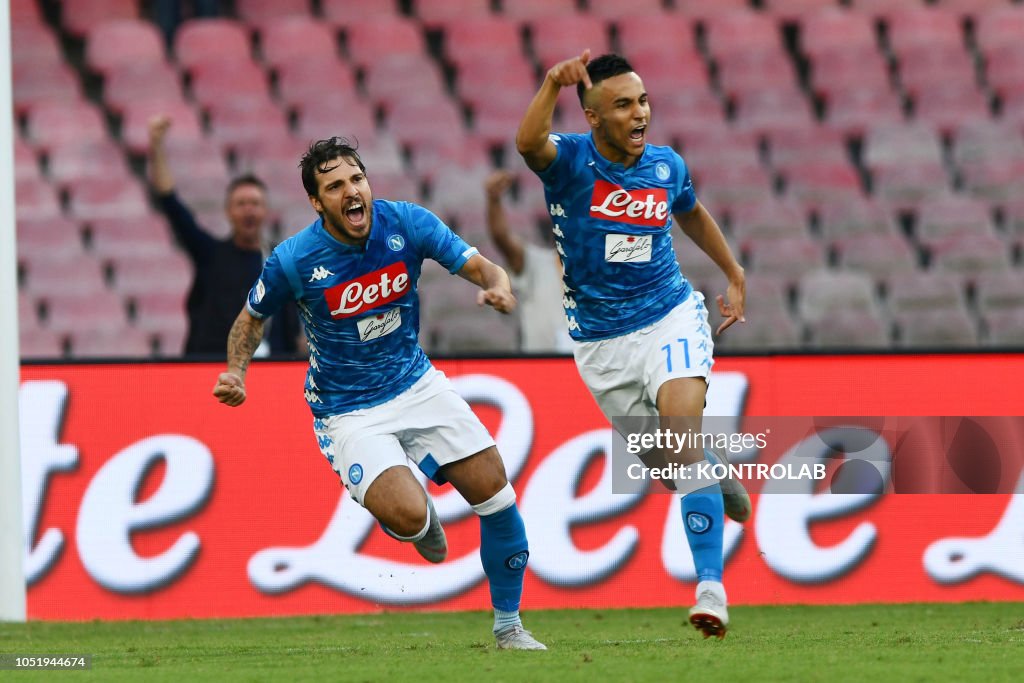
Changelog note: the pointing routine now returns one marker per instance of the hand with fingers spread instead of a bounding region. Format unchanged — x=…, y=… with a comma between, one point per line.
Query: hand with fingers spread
x=500, y=299
x=571, y=71
x=230, y=389
x=733, y=309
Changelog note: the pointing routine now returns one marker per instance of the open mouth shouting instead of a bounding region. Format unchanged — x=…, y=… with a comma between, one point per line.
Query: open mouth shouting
x=638, y=135
x=356, y=216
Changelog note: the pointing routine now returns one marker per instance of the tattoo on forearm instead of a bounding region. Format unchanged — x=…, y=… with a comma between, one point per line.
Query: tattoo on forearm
x=243, y=340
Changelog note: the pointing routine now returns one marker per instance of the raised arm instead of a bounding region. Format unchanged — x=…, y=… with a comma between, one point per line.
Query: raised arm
x=508, y=243
x=159, y=170
x=245, y=336
x=532, y=140
x=700, y=227
x=496, y=290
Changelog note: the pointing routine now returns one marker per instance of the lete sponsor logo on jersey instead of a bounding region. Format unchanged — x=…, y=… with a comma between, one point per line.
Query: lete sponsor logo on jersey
x=628, y=248
x=636, y=207
x=379, y=324
x=368, y=291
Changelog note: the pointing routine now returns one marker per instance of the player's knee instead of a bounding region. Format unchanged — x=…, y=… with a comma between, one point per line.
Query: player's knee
x=407, y=518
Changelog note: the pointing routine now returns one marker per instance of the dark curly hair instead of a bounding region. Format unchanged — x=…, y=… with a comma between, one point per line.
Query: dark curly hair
x=319, y=156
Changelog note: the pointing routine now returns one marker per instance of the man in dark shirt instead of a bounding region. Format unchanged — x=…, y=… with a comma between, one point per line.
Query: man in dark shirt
x=225, y=269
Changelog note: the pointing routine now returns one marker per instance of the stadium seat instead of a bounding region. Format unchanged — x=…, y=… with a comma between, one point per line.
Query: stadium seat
x=40, y=343
x=787, y=258
x=99, y=197
x=119, y=237
x=53, y=124
x=118, y=342
x=901, y=143
x=496, y=119
x=236, y=127
x=58, y=239
x=746, y=31
x=950, y=107
x=1005, y=328
x=25, y=12
x=970, y=257
x=120, y=42
x=882, y=257
x=838, y=69
x=952, y=216
x=36, y=199
x=906, y=185
x=923, y=27
x=850, y=330
x=702, y=10
x=925, y=67
x=997, y=181
x=48, y=279
x=654, y=32
x=972, y=7
x=26, y=165
x=301, y=83
x=667, y=74
x=824, y=292
x=161, y=313
x=240, y=81
x=998, y=27
x=856, y=111
x=346, y=12
x=128, y=84
x=789, y=148
x=85, y=313
x=369, y=41
x=773, y=219
x=469, y=38
x=925, y=291
x=685, y=112
x=469, y=333
x=402, y=79
x=763, y=331
x=814, y=184
x=170, y=272
x=267, y=12
x=185, y=128
x=553, y=41
x=618, y=10
x=987, y=140
x=35, y=44
x=319, y=118
x=206, y=41
x=297, y=38
x=831, y=29
x=79, y=16
x=728, y=185
x=435, y=13
x=37, y=84
x=530, y=9
x=780, y=108
x=103, y=158
x=850, y=220
x=429, y=155
x=1004, y=69
x=1000, y=290
x=695, y=264
x=28, y=313
x=937, y=329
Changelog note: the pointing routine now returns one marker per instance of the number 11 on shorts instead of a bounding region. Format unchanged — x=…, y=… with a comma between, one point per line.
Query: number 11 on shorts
x=667, y=348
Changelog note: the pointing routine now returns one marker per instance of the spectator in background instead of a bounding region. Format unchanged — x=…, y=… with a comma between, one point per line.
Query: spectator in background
x=225, y=269
x=536, y=276
x=167, y=14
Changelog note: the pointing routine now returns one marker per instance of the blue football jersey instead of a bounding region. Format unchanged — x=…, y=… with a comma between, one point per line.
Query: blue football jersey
x=612, y=228
x=359, y=305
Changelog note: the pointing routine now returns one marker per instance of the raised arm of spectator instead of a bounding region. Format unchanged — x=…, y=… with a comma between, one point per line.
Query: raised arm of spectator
x=160, y=176
x=532, y=140
x=508, y=243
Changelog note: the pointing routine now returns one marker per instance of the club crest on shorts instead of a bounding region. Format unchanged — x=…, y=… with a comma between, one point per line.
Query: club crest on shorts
x=518, y=561
x=355, y=473
x=396, y=242
x=698, y=522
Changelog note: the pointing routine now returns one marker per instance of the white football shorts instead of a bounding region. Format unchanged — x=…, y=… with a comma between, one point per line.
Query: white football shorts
x=624, y=373
x=428, y=423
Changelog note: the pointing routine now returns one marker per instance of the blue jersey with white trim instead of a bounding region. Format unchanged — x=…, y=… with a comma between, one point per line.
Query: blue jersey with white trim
x=612, y=229
x=359, y=305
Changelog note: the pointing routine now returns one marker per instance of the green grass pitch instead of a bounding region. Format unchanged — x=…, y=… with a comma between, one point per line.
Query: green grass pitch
x=921, y=642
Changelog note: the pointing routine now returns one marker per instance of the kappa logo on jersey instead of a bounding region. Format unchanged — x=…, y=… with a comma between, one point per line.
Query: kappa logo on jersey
x=320, y=273
x=636, y=207
x=368, y=291
x=379, y=325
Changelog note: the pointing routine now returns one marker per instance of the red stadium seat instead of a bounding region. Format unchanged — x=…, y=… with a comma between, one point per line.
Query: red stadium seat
x=777, y=109
x=787, y=258
x=908, y=184
x=80, y=16
x=121, y=42
x=465, y=334
x=742, y=72
x=130, y=83
x=162, y=313
x=38, y=343
x=654, y=32
x=483, y=36
x=170, y=272
x=901, y=143
x=970, y=257
x=100, y=197
x=117, y=237
x=615, y=9
x=950, y=107
x=369, y=41
x=554, y=41
x=120, y=342
x=816, y=183
x=435, y=13
x=923, y=27
x=1005, y=328
x=268, y=11
x=297, y=38
x=773, y=331
x=832, y=29
x=745, y=31
x=972, y=7
x=500, y=78
x=357, y=121
x=985, y=140
x=1000, y=291
x=204, y=41
x=824, y=292
x=136, y=116
x=999, y=27
x=26, y=165
x=995, y=180
x=880, y=256
x=935, y=67
x=56, y=239
x=850, y=330
x=790, y=148
x=35, y=44
x=773, y=219
x=702, y=10
x=239, y=126
x=531, y=9
x=949, y=216
x=848, y=70
x=400, y=80
x=25, y=12
x=301, y=82
x=679, y=111
x=36, y=200
x=666, y=72
x=52, y=280
x=854, y=112
x=35, y=84
x=240, y=80
x=851, y=220
x=1004, y=69
x=93, y=159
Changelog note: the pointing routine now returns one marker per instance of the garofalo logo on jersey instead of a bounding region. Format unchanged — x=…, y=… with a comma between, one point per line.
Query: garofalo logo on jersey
x=637, y=207
x=368, y=291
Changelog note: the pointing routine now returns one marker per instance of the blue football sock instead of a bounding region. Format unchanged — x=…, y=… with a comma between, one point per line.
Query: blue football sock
x=503, y=553
x=703, y=517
